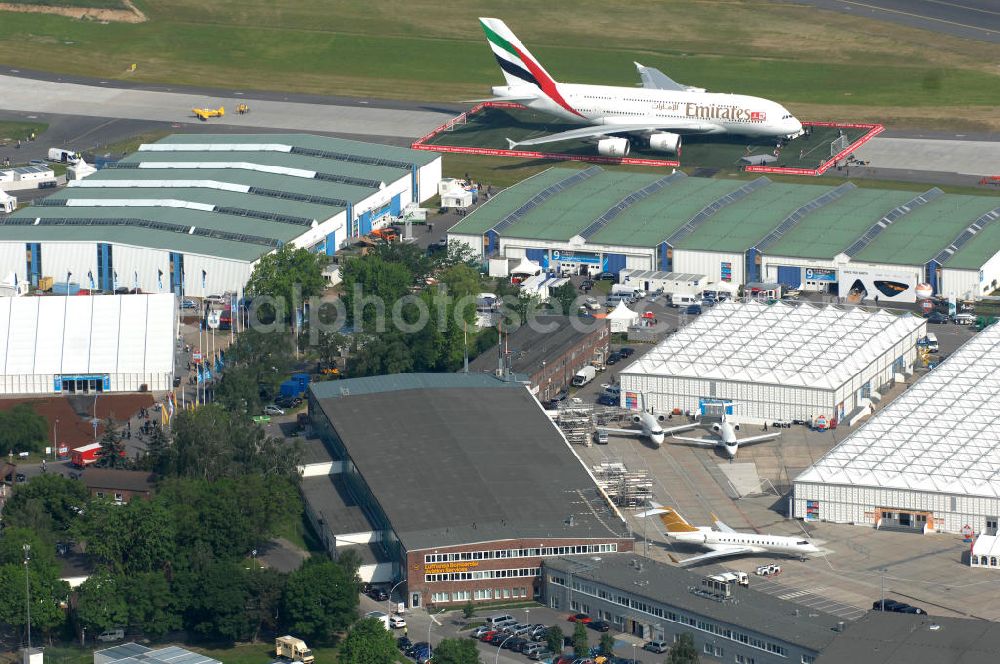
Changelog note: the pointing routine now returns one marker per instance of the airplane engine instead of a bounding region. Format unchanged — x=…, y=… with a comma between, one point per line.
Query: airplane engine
x=613, y=147
x=636, y=419
x=665, y=142
x=661, y=418
x=716, y=428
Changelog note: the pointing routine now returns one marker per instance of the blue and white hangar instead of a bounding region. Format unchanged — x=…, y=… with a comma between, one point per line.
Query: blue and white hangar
x=193, y=213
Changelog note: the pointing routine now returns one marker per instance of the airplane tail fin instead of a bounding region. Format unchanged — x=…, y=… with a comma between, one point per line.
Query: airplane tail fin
x=674, y=522
x=516, y=62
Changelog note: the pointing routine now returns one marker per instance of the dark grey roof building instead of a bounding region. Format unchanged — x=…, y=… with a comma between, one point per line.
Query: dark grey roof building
x=897, y=638
x=466, y=482
x=656, y=601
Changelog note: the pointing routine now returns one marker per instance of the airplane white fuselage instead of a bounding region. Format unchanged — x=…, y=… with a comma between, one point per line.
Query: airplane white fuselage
x=651, y=428
x=688, y=111
x=728, y=441
x=758, y=543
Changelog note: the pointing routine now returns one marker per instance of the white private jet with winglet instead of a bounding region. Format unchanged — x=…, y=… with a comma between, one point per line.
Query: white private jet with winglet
x=723, y=541
x=726, y=438
x=649, y=427
x=659, y=112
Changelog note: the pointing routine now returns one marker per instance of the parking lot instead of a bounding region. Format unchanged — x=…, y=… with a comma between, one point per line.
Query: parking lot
x=926, y=571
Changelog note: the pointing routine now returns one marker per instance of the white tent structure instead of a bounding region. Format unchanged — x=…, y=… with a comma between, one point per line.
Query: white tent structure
x=929, y=461
x=621, y=317
x=7, y=202
x=779, y=362
x=81, y=344
x=526, y=267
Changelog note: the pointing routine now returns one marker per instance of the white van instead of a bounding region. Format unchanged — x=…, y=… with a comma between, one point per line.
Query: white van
x=500, y=620
x=63, y=156
x=683, y=299
x=110, y=635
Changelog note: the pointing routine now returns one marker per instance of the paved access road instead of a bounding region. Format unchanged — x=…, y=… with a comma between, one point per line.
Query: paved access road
x=105, y=100
x=971, y=19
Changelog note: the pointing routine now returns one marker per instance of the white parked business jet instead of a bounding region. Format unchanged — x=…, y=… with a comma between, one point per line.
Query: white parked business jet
x=726, y=438
x=649, y=427
x=661, y=111
x=725, y=541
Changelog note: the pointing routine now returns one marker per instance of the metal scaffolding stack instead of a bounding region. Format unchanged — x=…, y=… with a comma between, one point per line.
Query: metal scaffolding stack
x=577, y=422
x=625, y=488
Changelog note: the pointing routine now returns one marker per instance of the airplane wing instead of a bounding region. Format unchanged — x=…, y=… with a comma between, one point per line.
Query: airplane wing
x=683, y=427
x=596, y=131
x=753, y=440
x=698, y=442
x=622, y=432
x=654, y=79
x=717, y=552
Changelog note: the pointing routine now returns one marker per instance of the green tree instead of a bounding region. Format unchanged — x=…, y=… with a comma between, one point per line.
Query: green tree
x=469, y=610
x=217, y=600
x=153, y=607
x=563, y=298
x=378, y=283
x=48, y=596
x=683, y=651
x=368, y=642
x=461, y=281
x=457, y=253
x=388, y=353
x=23, y=430
x=289, y=275
x=136, y=537
x=412, y=257
x=265, y=588
x=607, y=644
x=239, y=391
x=112, y=448
x=48, y=503
x=321, y=599
x=456, y=651
x=159, y=456
x=555, y=639
x=265, y=356
x=101, y=602
x=581, y=647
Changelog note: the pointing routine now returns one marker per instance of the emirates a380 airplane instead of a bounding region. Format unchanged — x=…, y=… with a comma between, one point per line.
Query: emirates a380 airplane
x=660, y=112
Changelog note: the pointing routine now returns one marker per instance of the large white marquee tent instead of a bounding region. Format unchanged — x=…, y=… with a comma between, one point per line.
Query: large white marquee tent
x=87, y=344
x=929, y=461
x=777, y=362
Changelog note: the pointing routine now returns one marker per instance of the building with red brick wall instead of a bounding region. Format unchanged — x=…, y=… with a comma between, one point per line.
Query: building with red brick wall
x=118, y=485
x=466, y=484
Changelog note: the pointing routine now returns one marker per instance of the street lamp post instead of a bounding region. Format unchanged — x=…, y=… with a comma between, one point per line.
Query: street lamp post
x=526, y=621
x=500, y=647
x=388, y=602
x=27, y=592
x=55, y=439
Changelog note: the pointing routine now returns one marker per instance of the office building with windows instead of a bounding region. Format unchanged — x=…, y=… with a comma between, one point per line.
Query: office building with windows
x=655, y=601
x=464, y=482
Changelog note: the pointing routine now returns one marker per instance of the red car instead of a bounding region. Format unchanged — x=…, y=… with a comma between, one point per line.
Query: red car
x=485, y=638
x=580, y=618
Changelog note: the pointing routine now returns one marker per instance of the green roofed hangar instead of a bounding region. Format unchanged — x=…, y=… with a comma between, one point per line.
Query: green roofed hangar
x=836, y=239
x=209, y=206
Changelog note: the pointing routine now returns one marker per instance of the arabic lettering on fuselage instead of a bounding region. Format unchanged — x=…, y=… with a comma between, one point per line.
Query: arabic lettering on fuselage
x=712, y=111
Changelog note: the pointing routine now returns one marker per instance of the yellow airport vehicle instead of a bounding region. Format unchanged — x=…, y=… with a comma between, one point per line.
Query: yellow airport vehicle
x=206, y=113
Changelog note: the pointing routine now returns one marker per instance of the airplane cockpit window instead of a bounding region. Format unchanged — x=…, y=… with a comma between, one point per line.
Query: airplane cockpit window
x=802, y=542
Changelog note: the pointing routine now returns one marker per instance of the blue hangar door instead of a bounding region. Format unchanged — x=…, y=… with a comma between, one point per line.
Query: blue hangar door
x=791, y=277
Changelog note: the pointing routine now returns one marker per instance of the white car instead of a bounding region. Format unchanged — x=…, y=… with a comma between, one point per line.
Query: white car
x=592, y=304
x=964, y=319
x=397, y=622
x=273, y=410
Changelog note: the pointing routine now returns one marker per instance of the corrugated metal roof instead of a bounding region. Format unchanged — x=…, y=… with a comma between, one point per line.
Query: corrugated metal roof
x=919, y=236
x=938, y=436
x=779, y=344
x=409, y=381
x=499, y=206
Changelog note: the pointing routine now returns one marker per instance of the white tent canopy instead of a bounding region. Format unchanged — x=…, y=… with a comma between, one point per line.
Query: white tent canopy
x=7, y=202
x=621, y=317
x=526, y=267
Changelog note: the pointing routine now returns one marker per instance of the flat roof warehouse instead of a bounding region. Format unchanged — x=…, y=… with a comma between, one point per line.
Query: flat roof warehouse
x=221, y=201
x=740, y=231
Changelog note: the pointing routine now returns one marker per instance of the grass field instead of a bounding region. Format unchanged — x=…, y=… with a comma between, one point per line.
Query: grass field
x=822, y=65
x=11, y=132
x=97, y=4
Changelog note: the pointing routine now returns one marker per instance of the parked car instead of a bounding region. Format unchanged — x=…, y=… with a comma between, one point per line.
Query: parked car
x=613, y=358
x=601, y=437
x=378, y=594
x=659, y=647
x=693, y=309
x=937, y=318
x=188, y=304
x=403, y=643
x=626, y=352
x=540, y=655
x=479, y=631
x=514, y=644
x=606, y=399
x=272, y=409
x=964, y=319
x=906, y=608
x=114, y=634
x=592, y=304
x=587, y=284
x=600, y=625
x=397, y=622
x=488, y=635
x=580, y=618
x=885, y=605
x=499, y=638
x=20, y=478
x=607, y=276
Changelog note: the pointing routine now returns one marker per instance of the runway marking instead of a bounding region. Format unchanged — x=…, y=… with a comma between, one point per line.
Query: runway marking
x=919, y=16
x=955, y=4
